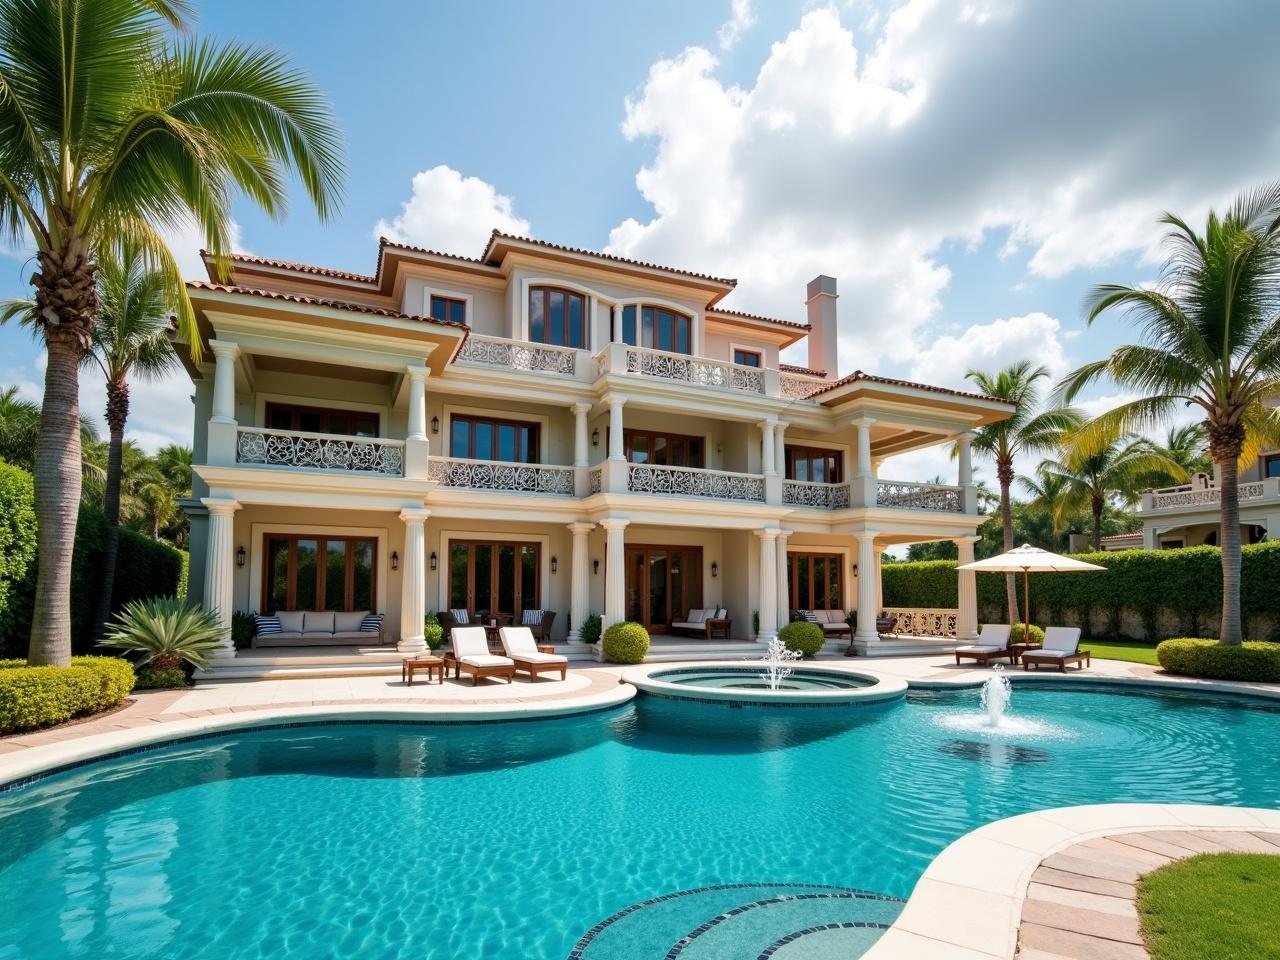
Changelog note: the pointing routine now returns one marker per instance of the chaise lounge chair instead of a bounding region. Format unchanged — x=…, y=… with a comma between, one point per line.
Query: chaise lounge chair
x=1061, y=646
x=472, y=656
x=993, y=644
x=519, y=645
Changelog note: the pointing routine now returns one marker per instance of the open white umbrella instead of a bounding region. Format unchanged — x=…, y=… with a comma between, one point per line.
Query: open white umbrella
x=1029, y=560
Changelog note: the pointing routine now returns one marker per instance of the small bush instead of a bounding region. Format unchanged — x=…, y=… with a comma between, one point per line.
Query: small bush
x=590, y=629
x=1015, y=634
x=114, y=674
x=172, y=678
x=243, y=628
x=33, y=697
x=432, y=632
x=802, y=636
x=626, y=643
x=1193, y=657
x=167, y=632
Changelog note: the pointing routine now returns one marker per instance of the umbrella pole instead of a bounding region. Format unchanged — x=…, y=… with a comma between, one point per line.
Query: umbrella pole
x=1026, y=605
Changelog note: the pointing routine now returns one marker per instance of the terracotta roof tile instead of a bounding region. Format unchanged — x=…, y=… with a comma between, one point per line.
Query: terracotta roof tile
x=384, y=242
x=858, y=375
x=293, y=265
x=805, y=371
x=756, y=316
x=1123, y=536
x=499, y=235
x=321, y=302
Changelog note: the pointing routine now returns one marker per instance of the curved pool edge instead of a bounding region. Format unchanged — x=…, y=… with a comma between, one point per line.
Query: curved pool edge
x=1232, y=688
x=967, y=905
x=36, y=763
x=883, y=688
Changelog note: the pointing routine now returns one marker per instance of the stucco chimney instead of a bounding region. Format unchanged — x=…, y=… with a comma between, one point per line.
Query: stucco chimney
x=820, y=299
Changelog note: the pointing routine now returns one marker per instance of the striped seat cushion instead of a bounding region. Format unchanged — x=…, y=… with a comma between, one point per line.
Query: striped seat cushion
x=266, y=626
x=532, y=618
x=809, y=615
x=460, y=617
x=372, y=623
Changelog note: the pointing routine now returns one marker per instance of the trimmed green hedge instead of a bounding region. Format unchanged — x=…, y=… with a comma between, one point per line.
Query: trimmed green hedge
x=1015, y=634
x=170, y=678
x=33, y=697
x=1197, y=657
x=626, y=643
x=1186, y=583
x=803, y=637
x=17, y=545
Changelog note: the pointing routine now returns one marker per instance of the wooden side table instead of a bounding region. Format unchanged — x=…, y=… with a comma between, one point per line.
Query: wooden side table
x=432, y=666
x=1016, y=650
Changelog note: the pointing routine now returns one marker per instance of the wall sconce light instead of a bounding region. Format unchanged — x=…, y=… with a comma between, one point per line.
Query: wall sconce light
x=554, y=564
x=595, y=437
x=595, y=567
x=854, y=567
x=715, y=569
x=240, y=557
x=435, y=424
x=395, y=560
x=434, y=561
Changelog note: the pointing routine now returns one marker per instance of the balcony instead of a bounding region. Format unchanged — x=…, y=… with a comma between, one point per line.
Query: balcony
x=1203, y=493
x=823, y=496
x=501, y=476
x=896, y=494
x=319, y=451
x=694, y=482
x=699, y=371
x=518, y=355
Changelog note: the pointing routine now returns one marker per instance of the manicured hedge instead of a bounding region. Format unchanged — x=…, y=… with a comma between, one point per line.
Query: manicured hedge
x=32, y=697
x=626, y=643
x=803, y=637
x=17, y=544
x=168, y=679
x=1186, y=583
x=1197, y=657
x=1015, y=634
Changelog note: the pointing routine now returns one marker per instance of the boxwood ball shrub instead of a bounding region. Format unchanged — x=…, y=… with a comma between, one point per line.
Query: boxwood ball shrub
x=626, y=643
x=33, y=697
x=803, y=637
x=1196, y=657
x=1015, y=634
x=433, y=632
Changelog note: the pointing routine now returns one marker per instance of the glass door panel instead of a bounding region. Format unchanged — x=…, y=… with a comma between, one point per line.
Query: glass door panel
x=277, y=592
x=659, y=597
x=528, y=578
x=482, y=595
x=335, y=575
x=506, y=579
x=636, y=586
x=306, y=565
x=362, y=553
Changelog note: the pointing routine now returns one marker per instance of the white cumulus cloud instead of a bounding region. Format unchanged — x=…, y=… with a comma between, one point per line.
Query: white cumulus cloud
x=741, y=19
x=451, y=213
x=990, y=346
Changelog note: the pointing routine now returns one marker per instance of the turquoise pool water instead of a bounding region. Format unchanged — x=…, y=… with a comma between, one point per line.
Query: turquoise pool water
x=513, y=840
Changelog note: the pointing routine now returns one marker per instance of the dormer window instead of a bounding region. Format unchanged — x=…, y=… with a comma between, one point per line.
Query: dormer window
x=557, y=317
x=449, y=309
x=657, y=328
x=747, y=358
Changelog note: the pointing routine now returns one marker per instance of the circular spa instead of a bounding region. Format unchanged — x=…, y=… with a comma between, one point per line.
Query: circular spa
x=758, y=682
x=659, y=828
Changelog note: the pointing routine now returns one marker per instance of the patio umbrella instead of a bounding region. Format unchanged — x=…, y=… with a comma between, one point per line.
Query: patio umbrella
x=1028, y=560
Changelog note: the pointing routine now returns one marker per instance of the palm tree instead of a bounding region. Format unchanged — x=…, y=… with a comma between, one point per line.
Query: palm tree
x=1046, y=490
x=112, y=129
x=1185, y=446
x=20, y=429
x=1211, y=332
x=1091, y=473
x=1033, y=428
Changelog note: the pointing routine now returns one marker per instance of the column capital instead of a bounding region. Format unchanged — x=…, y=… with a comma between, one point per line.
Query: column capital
x=614, y=523
x=768, y=533
x=972, y=538
x=580, y=409
x=581, y=528
x=863, y=421
x=221, y=506
x=614, y=401
x=224, y=348
x=415, y=514
x=769, y=423
x=417, y=373
x=867, y=536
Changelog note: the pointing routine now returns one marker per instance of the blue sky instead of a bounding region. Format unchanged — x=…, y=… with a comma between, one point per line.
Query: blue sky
x=965, y=168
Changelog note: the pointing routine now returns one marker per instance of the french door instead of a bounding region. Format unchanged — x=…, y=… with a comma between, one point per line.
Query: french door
x=494, y=577
x=815, y=581
x=305, y=572
x=663, y=584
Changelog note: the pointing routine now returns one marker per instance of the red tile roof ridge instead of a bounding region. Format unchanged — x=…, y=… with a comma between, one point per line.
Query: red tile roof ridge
x=294, y=265
x=500, y=235
x=328, y=302
x=892, y=381
x=756, y=316
x=808, y=371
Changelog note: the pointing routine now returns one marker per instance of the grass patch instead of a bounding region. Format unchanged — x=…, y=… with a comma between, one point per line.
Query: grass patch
x=1215, y=906
x=1132, y=651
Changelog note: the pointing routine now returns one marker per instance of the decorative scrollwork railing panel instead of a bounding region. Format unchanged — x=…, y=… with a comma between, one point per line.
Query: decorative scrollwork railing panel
x=518, y=355
x=824, y=496
x=794, y=387
x=595, y=479
x=501, y=476
x=919, y=496
x=696, y=370
x=692, y=482
x=319, y=451
x=1190, y=496
x=924, y=622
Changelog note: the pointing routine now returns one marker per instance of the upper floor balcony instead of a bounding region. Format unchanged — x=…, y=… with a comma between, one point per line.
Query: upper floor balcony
x=1203, y=493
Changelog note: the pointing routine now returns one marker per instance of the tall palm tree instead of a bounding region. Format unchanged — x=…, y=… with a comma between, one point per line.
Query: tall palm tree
x=1092, y=473
x=1034, y=428
x=1185, y=445
x=112, y=129
x=20, y=430
x=1211, y=332
x=1046, y=489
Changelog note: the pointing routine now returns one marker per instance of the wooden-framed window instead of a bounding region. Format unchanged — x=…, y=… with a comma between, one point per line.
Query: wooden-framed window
x=657, y=328
x=318, y=572
x=747, y=358
x=662, y=584
x=814, y=464
x=292, y=416
x=487, y=578
x=1271, y=465
x=557, y=317
x=663, y=449
x=490, y=438
x=448, y=308
x=815, y=581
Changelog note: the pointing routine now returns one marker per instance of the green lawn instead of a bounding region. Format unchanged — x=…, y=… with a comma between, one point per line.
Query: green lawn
x=1217, y=906
x=1134, y=651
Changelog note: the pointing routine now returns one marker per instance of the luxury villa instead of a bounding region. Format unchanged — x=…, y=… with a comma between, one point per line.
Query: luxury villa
x=542, y=428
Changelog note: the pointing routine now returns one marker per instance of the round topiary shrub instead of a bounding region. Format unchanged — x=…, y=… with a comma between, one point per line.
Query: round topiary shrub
x=626, y=643
x=1196, y=657
x=803, y=637
x=1015, y=634
x=171, y=678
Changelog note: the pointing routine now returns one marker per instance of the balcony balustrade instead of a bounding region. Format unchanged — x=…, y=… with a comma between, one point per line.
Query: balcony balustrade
x=1193, y=495
x=919, y=496
x=824, y=496
x=792, y=386
x=924, y=621
x=501, y=476
x=694, y=482
x=518, y=355
x=319, y=451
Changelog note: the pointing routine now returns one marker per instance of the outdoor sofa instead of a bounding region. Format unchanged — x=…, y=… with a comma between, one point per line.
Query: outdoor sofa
x=708, y=622
x=832, y=622
x=311, y=628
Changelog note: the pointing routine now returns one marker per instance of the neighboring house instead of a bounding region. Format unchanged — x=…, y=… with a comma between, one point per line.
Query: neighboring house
x=1118, y=541
x=1188, y=516
x=546, y=428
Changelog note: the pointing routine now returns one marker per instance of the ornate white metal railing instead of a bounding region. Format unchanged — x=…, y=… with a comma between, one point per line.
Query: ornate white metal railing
x=926, y=622
x=798, y=387
x=1192, y=496
x=595, y=479
x=319, y=451
x=806, y=493
x=698, y=370
x=919, y=496
x=501, y=476
x=518, y=355
x=693, y=482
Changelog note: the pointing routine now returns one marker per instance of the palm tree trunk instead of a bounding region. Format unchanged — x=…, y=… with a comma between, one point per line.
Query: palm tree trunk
x=1230, y=632
x=1005, y=475
x=1097, y=504
x=117, y=414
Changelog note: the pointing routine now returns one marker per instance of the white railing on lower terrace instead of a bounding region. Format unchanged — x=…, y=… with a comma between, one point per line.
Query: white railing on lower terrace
x=793, y=386
x=697, y=370
x=693, y=482
x=519, y=355
x=501, y=476
x=595, y=479
x=319, y=451
x=1190, y=495
x=919, y=496
x=924, y=622
x=806, y=493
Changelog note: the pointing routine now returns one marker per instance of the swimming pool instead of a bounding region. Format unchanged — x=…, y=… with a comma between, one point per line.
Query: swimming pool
x=514, y=840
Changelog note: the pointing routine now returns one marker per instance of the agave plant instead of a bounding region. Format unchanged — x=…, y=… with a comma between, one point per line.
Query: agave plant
x=167, y=631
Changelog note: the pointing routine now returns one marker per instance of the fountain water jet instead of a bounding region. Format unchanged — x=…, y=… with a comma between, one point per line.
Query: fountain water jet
x=996, y=694
x=775, y=660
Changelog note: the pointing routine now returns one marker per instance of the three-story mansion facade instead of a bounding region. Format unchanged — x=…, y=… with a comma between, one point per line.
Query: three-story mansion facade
x=546, y=428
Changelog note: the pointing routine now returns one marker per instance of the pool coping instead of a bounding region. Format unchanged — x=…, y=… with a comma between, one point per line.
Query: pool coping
x=967, y=905
x=881, y=689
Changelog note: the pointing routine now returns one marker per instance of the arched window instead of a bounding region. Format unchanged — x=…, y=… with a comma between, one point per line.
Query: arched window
x=657, y=328
x=557, y=317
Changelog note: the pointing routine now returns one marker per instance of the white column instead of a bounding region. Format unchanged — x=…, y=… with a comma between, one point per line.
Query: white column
x=864, y=446
x=579, y=579
x=581, y=455
x=767, y=451
x=780, y=449
x=615, y=572
x=964, y=456
x=224, y=381
x=784, y=598
x=616, y=449
x=867, y=611
x=967, y=589
x=418, y=402
x=413, y=584
x=615, y=332
x=219, y=570
x=768, y=585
